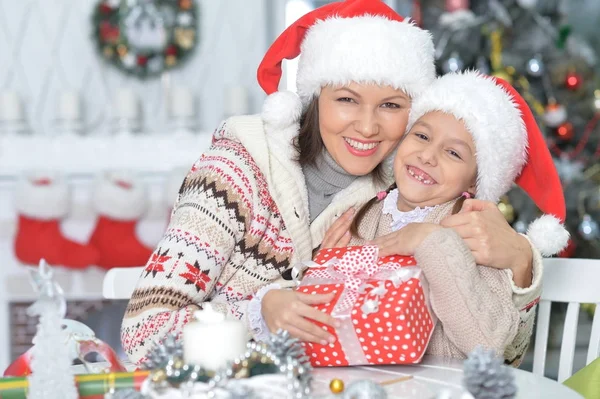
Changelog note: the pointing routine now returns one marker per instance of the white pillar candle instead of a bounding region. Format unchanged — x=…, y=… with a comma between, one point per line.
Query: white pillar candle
x=212, y=340
x=69, y=106
x=126, y=104
x=236, y=101
x=10, y=107
x=182, y=103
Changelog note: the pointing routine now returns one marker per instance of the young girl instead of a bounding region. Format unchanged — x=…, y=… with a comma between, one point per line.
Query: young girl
x=468, y=136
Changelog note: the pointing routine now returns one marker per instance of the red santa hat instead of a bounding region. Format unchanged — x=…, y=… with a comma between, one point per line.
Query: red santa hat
x=362, y=41
x=509, y=144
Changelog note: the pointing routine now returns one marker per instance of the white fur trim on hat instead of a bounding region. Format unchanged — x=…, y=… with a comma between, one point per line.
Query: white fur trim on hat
x=120, y=196
x=43, y=196
x=281, y=109
x=494, y=121
x=365, y=49
x=548, y=235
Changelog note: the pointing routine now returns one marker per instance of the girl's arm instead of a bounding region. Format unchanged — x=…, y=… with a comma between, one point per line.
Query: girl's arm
x=473, y=303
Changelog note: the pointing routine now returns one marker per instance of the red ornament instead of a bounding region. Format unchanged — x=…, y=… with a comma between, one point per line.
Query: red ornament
x=565, y=131
x=456, y=5
x=573, y=81
x=105, y=8
x=171, y=50
x=108, y=32
x=141, y=60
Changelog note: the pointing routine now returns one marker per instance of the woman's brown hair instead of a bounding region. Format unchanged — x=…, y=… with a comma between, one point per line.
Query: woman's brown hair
x=309, y=143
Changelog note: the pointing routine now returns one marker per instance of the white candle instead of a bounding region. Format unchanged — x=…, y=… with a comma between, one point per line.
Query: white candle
x=236, y=101
x=126, y=104
x=182, y=103
x=69, y=106
x=10, y=107
x=212, y=340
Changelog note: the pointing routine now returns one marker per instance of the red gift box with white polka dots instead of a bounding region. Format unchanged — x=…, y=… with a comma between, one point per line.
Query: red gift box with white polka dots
x=381, y=305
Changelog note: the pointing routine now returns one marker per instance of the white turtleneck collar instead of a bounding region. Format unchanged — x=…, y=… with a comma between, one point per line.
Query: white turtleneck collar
x=399, y=218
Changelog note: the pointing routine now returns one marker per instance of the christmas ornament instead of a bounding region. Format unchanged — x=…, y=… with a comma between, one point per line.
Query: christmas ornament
x=149, y=36
x=568, y=169
x=453, y=64
x=535, y=67
x=597, y=99
x=486, y=377
x=336, y=385
x=527, y=4
x=51, y=364
x=364, y=389
x=573, y=81
x=162, y=354
x=565, y=132
x=520, y=226
x=588, y=228
x=507, y=210
x=555, y=115
x=455, y=5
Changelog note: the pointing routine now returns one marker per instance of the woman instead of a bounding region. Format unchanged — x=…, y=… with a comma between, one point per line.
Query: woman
x=261, y=199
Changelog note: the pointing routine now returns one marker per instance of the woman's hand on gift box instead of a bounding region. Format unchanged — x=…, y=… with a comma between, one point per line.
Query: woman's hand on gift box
x=404, y=241
x=338, y=234
x=292, y=311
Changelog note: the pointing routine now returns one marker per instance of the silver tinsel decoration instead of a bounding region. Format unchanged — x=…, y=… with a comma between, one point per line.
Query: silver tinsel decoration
x=125, y=394
x=164, y=353
x=486, y=377
x=364, y=389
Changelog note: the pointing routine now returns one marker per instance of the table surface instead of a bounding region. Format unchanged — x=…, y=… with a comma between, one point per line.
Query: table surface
x=430, y=377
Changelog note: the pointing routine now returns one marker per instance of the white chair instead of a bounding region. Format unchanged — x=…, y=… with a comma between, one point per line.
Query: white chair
x=120, y=282
x=572, y=281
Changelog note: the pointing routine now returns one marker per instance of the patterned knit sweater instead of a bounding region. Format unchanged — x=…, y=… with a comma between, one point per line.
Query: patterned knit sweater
x=240, y=220
x=475, y=305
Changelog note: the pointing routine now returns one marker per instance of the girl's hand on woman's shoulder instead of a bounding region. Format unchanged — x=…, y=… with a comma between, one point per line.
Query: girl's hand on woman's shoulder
x=292, y=311
x=404, y=241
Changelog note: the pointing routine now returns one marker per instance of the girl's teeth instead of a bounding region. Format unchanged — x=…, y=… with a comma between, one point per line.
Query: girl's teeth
x=419, y=178
x=357, y=145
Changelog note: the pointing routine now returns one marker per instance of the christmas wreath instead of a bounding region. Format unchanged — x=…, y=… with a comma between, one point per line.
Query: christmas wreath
x=145, y=37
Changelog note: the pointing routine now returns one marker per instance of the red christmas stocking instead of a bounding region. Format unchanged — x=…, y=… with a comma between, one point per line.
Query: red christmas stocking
x=42, y=201
x=120, y=201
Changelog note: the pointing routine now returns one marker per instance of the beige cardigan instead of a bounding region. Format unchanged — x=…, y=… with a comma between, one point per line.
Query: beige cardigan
x=475, y=305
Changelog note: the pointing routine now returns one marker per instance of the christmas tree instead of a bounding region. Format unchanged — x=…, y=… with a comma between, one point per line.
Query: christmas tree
x=532, y=45
x=51, y=374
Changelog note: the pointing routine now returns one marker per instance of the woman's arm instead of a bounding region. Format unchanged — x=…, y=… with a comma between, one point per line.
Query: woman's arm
x=184, y=269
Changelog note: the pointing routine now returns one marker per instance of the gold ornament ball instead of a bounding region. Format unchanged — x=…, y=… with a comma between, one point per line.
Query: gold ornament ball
x=507, y=210
x=122, y=50
x=336, y=385
x=170, y=60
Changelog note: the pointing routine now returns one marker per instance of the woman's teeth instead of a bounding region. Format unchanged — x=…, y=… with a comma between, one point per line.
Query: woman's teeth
x=418, y=177
x=357, y=145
